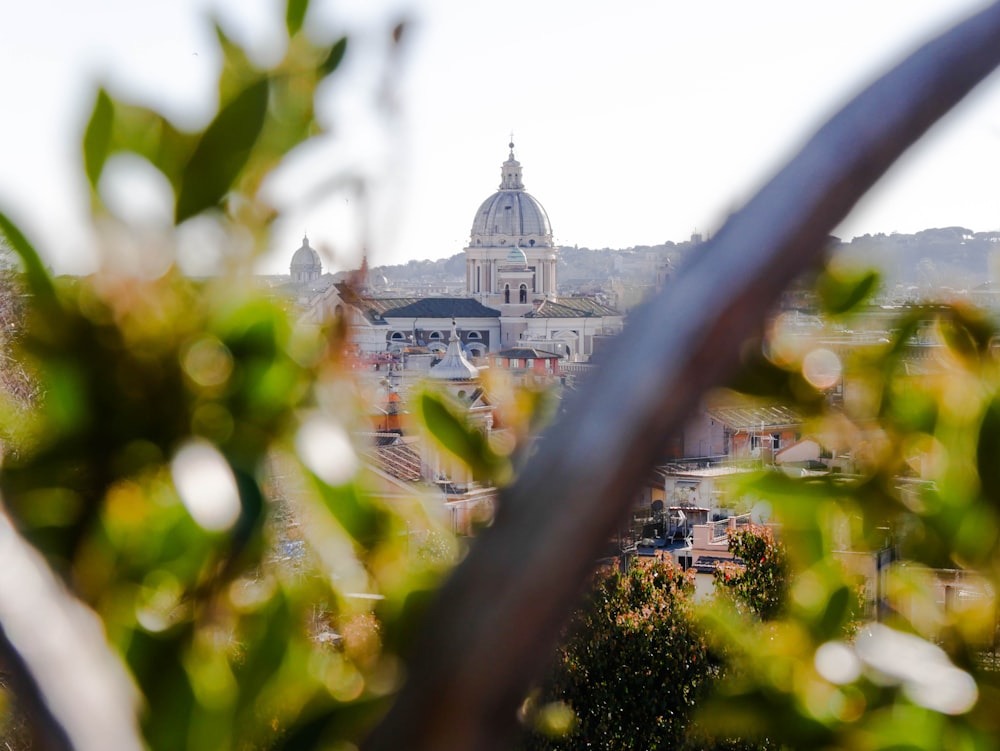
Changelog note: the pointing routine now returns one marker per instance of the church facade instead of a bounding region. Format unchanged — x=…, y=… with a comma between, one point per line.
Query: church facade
x=511, y=297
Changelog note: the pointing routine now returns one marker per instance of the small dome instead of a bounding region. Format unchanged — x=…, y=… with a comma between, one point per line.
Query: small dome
x=454, y=366
x=306, y=260
x=516, y=257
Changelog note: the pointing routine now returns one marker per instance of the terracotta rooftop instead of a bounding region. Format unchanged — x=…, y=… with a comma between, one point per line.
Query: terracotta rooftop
x=760, y=417
x=397, y=459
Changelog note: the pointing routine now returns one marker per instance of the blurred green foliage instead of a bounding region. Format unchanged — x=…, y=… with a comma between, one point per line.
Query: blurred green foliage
x=905, y=535
x=155, y=432
x=255, y=593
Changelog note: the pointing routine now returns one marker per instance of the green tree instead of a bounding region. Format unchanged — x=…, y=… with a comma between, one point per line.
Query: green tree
x=631, y=669
x=758, y=581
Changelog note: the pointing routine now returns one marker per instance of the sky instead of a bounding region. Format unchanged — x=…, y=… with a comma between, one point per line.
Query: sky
x=635, y=122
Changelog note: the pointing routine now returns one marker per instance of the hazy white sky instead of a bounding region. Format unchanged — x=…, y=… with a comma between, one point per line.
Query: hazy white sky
x=636, y=122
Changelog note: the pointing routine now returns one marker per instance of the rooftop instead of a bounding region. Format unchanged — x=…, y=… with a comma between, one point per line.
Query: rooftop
x=571, y=307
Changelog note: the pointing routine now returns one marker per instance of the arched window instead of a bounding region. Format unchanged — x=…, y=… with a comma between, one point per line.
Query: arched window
x=531, y=243
x=474, y=335
x=506, y=293
x=398, y=336
x=434, y=335
x=523, y=294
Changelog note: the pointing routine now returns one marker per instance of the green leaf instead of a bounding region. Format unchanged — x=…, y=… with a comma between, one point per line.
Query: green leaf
x=295, y=15
x=967, y=331
x=988, y=452
x=333, y=59
x=840, y=294
x=238, y=71
x=222, y=152
x=836, y=614
x=150, y=135
x=463, y=440
x=251, y=509
x=38, y=278
x=268, y=630
x=154, y=662
x=97, y=138
x=361, y=519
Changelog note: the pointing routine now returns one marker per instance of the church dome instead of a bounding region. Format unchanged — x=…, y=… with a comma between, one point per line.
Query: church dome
x=306, y=264
x=511, y=216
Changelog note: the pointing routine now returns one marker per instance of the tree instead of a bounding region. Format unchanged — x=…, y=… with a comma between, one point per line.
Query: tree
x=637, y=660
x=632, y=668
x=758, y=581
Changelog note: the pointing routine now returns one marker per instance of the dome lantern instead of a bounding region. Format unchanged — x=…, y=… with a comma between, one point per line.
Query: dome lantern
x=510, y=172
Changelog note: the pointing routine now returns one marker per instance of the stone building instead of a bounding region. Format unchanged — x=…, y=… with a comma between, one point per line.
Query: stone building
x=511, y=291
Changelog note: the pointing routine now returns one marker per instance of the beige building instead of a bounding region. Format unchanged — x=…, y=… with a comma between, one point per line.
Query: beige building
x=511, y=291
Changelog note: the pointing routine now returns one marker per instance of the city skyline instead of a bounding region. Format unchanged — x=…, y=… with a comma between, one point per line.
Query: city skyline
x=635, y=125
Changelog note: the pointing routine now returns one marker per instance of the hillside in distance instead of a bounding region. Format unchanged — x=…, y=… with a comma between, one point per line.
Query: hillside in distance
x=933, y=259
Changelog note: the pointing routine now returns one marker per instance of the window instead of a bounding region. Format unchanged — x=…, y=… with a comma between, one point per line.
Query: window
x=397, y=336
x=523, y=294
x=529, y=363
x=506, y=293
x=474, y=335
x=434, y=335
x=514, y=362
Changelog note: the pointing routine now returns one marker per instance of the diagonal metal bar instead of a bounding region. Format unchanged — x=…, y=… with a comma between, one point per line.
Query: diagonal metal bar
x=494, y=624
